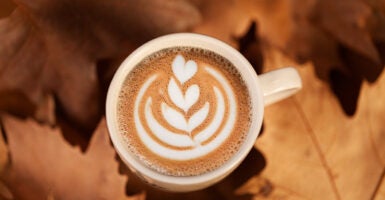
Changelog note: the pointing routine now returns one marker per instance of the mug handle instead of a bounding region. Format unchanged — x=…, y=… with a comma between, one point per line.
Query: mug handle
x=279, y=84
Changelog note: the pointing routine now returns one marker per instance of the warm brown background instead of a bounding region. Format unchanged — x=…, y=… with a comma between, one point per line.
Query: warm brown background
x=58, y=56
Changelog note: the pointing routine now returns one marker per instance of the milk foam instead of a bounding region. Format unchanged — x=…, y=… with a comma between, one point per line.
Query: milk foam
x=182, y=70
x=183, y=101
x=177, y=119
x=184, y=111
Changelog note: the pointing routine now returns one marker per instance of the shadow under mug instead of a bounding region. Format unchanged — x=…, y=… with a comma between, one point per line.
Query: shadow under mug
x=263, y=89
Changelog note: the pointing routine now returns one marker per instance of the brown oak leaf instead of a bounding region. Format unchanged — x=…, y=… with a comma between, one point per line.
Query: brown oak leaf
x=224, y=19
x=3, y=152
x=344, y=39
x=313, y=150
x=5, y=194
x=45, y=111
x=44, y=165
x=381, y=190
x=54, y=46
x=7, y=6
x=347, y=21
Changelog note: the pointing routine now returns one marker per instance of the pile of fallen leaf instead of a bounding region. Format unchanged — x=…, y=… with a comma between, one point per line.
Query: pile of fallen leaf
x=57, y=58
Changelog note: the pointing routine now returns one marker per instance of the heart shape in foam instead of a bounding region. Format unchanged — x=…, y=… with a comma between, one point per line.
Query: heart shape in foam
x=183, y=101
x=183, y=70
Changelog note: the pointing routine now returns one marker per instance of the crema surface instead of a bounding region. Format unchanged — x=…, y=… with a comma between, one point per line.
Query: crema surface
x=184, y=111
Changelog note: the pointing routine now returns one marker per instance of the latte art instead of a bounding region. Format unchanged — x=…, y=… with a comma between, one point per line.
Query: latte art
x=179, y=112
x=202, y=142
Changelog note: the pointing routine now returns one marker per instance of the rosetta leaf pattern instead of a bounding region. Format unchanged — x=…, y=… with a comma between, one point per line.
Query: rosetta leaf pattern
x=184, y=102
x=183, y=71
x=173, y=117
x=198, y=117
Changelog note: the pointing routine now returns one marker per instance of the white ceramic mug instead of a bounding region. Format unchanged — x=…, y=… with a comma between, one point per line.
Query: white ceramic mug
x=263, y=89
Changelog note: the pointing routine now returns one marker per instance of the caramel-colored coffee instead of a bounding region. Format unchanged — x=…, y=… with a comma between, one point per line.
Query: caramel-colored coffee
x=184, y=111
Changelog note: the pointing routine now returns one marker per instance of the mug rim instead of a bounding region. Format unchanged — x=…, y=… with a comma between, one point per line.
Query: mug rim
x=191, y=40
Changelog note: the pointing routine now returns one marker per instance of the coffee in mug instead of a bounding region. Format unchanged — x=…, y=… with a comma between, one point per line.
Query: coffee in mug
x=184, y=110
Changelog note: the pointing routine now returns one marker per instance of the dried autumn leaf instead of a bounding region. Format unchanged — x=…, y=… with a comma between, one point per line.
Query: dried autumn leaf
x=5, y=194
x=43, y=164
x=4, y=161
x=53, y=46
x=6, y=7
x=376, y=23
x=314, y=151
x=347, y=22
x=381, y=190
x=3, y=152
x=346, y=37
x=45, y=111
x=224, y=19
